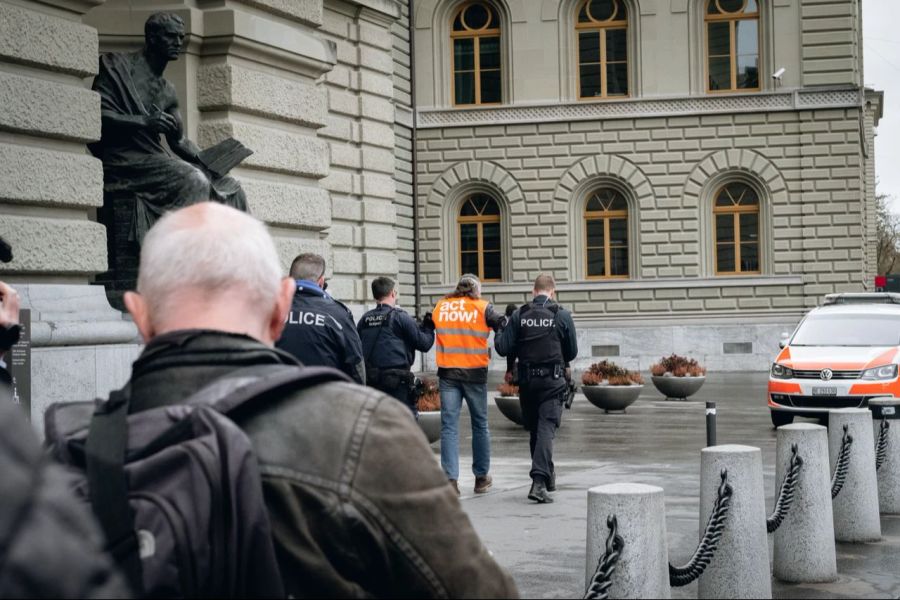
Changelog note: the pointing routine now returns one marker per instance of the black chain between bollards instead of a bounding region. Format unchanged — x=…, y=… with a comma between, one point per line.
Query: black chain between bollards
x=843, y=463
x=786, y=495
x=598, y=588
x=881, y=446
x=681, y=576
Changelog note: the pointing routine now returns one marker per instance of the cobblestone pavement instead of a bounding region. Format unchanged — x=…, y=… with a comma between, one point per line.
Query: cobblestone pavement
x=656, y=442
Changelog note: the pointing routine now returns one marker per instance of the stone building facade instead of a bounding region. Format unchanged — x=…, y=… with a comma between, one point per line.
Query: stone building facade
x=361, y=153
x=317, y=89
x=801, y=143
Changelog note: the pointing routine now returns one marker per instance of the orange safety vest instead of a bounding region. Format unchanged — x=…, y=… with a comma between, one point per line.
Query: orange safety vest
x=461, y=334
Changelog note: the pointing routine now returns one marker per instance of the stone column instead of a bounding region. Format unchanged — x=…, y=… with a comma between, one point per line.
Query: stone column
x=640, y=510
x=804, y=544
x=362, y=140
x=856, y=513
x=50, y=190
x=885, y=413
x=740, y=567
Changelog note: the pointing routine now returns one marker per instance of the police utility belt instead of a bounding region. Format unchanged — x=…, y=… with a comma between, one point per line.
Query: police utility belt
x=554, y=371
x=390, y=377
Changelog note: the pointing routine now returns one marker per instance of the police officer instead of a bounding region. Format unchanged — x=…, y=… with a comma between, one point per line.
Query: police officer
x=390, y=339
x=320, y=330
x=541, y=335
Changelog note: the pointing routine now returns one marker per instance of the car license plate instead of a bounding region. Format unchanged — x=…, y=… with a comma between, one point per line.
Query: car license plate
x=824, y=391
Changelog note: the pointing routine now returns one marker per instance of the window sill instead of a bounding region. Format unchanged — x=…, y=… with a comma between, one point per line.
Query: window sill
x=634, y=284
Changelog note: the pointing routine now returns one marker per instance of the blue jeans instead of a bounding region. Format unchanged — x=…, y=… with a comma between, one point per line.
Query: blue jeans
x=475, y=395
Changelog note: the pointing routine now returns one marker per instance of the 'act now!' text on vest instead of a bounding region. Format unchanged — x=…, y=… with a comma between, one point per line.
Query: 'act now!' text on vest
x=452, y=311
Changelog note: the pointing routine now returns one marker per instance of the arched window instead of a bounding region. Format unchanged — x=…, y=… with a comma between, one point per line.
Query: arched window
x=606, y=235
x=736, y=230
x=479, y=238
x=732, y=45
x=475, y=37
x=602, y=28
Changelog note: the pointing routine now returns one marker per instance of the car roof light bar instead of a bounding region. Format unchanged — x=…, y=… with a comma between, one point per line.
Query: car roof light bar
x=862, y=298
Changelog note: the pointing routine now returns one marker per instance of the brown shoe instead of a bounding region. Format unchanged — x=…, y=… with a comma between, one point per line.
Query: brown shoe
x=483, y=484
x=454, y=485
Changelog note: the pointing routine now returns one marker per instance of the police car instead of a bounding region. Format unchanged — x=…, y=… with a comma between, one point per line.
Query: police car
x=842, y=354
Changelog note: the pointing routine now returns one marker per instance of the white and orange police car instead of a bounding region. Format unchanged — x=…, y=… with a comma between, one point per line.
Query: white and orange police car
x=842, y=354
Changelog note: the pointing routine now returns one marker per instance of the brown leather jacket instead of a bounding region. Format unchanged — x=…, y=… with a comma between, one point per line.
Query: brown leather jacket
x=359, y=507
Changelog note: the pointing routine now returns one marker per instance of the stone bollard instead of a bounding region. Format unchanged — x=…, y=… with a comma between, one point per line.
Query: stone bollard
x=804, y=544
x=740, y=567
x=856, y=517
x=889, y=473
x=643, y=568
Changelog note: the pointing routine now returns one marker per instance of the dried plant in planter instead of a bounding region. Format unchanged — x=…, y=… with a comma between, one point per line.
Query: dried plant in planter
x=508, y=389
x=612, y=373
x=431, y=397
x=591, y=378
x=677, y=366
x=631, y=378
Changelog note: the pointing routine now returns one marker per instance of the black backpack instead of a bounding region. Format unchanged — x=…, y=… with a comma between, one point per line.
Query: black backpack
x=177, y=489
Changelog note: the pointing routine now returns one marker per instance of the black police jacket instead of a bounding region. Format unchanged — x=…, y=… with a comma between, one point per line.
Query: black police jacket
x=521, y=336
x=320, y=332
x=390, y=338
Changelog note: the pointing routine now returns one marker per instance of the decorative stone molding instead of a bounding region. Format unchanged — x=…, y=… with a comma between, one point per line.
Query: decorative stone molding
x=70, y=315
x=388, y=10
x=587, y=175
x=426, y=12
x=746, y=166
x=613, y=166
x=639, y=108
x=445, y=198
x=485, y=172
x=308, y=12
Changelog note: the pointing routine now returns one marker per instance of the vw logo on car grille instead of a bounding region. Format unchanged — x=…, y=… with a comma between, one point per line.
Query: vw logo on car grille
x=826, y=374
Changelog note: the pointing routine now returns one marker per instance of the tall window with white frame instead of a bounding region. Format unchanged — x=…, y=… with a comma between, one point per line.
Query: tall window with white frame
x=480, y=238
x=602, y=28
x=736, y=230
x=477, y=68
x=732, y=45
x=606, y=235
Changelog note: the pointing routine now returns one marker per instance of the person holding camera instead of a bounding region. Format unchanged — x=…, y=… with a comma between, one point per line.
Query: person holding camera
x=50, y=545
x=541, y=334
x=9, y=330
x=390, y=339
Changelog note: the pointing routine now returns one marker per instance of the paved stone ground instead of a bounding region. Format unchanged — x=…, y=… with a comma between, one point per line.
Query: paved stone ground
x=656, y=442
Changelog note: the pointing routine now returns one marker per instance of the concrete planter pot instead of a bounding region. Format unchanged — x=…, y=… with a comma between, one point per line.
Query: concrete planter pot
x=430, y=422
x=677, y=388
x=612, y=397
x=510, y=407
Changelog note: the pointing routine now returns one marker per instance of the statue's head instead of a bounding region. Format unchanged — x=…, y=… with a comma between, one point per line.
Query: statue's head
x=164, y=35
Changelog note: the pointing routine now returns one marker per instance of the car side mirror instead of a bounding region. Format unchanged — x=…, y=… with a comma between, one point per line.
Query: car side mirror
x=782, y=344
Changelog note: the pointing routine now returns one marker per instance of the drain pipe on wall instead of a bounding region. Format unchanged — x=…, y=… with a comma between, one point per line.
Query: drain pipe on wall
x=415, y=166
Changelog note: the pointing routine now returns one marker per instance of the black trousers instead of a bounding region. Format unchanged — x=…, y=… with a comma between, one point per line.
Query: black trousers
x=401, y=392
x=541, y=400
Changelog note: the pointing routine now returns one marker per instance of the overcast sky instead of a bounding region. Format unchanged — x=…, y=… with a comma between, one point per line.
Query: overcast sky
x=881, y=46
